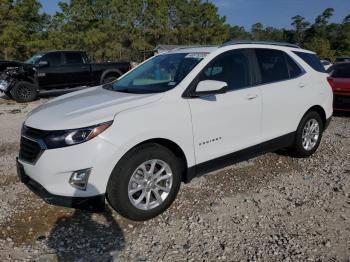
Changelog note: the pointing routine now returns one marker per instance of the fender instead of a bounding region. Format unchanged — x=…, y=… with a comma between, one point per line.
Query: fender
x=108, y=71
x=18, y=78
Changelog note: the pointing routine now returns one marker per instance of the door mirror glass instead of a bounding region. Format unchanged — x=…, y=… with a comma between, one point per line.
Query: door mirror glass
x=43, y=63
x=211, y=87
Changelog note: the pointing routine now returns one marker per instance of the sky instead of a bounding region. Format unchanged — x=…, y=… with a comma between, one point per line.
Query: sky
x=276, y=13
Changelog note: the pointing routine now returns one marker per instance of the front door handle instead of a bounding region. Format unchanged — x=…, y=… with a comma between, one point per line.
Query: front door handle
x=251, y=96
x=301, y=85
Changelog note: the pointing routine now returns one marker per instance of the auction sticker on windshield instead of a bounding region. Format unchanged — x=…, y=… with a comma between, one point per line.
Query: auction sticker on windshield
x=198, y=55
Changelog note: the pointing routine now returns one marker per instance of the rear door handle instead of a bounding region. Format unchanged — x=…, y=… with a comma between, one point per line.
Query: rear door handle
x=301, y=85
x=251, y=96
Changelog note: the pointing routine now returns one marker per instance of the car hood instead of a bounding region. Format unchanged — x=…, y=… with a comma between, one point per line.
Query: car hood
x=85, y=108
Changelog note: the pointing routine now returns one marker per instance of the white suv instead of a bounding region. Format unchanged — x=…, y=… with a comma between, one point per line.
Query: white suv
x=174, y=117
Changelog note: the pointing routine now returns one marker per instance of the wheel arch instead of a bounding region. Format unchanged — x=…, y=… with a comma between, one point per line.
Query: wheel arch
x=169, y=144
x=173, y=147
x=320, y=110
x=115, y=72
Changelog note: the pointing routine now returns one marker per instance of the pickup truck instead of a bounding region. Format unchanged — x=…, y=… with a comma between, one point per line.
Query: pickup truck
x=57, y=70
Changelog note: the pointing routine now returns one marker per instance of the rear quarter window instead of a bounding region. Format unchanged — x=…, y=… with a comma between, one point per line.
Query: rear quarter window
x=293, y=68
x=312, y=60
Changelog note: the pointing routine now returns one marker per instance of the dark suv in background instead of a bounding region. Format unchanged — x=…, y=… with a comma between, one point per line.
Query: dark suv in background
x=57, y=70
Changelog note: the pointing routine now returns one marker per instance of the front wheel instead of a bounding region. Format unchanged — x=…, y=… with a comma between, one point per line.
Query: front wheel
x=308, y=135
x=24, y=92
x=145, y=182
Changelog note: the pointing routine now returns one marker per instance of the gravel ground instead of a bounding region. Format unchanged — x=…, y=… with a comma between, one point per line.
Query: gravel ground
x=270, y=208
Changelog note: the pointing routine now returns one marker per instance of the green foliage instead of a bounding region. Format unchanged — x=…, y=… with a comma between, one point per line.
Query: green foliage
x=124, y=29
x=321, y=46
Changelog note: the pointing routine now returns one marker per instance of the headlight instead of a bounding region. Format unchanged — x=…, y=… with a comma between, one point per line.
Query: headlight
x=71, y=137
x=4, y=85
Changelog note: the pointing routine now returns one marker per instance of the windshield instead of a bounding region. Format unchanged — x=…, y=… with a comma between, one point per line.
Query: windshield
x=34, y=59
x=159, y=74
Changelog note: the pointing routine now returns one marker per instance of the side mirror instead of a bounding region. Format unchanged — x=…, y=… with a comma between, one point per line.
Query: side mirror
x=43, y=63
x=210, y=87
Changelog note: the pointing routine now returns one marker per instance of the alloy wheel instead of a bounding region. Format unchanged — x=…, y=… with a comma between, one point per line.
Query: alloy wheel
x=150, y=184
x=311, y=134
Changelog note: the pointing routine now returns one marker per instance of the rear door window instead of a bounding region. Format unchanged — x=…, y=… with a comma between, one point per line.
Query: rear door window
x=293, y=68
x=312, y=60
x=272, y=64
x=74, y=58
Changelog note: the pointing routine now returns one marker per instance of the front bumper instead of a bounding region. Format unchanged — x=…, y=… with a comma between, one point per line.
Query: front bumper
x=4, y=85
x=93, y=203
x=54, y=167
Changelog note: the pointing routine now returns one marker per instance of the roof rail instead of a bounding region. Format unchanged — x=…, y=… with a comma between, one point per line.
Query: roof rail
x=238, y=42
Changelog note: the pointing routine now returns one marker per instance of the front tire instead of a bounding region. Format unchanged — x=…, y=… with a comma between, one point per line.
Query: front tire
x=308, y=135
x=24, y=92
x=145, y=182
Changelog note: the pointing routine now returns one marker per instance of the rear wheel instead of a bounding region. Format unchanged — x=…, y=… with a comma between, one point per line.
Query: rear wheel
x=109, y=79
x=145, y=182
x=308, y=135
x=24, y=92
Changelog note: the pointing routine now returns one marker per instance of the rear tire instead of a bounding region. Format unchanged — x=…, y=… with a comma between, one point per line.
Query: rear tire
x=24, y=92
x=109, y=79
x=308, y=135
x=134, y=172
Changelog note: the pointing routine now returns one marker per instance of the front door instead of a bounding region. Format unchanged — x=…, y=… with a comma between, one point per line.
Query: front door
x=229, y=122
x=51, y=75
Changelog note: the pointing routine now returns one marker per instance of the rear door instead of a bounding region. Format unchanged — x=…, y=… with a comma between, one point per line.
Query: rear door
x=284, y=88
x=76, y=68
x=227, y=122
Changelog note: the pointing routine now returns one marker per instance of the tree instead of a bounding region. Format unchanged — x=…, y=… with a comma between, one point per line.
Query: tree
x=321, y=46
x=16, y=37
x=300, y=25
x=257, y=31
x=123, y=29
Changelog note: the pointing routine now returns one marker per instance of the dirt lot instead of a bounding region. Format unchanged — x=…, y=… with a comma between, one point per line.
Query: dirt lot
x=270, y=208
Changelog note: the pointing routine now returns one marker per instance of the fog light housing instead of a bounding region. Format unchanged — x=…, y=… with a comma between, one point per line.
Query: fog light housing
x=79, y=179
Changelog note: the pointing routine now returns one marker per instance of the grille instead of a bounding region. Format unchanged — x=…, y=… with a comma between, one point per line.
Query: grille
x=29, y=150
x=34, y=133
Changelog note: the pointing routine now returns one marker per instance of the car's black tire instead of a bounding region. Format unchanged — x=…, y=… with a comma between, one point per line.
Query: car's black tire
x=24, y=92
x=299, y=148
x=118, y=184
x=109, y=79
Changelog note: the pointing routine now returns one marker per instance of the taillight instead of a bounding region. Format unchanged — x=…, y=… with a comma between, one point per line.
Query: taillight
x=331, y=81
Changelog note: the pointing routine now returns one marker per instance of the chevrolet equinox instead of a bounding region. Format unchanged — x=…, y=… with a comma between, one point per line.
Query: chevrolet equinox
x=176, y=116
